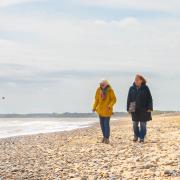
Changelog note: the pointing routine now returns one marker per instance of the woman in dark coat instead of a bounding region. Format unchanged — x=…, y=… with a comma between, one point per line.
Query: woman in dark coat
x=140, y=105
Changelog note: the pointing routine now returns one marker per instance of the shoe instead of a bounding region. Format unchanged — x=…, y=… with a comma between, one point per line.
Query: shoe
x=106, y=141
x=135, y=139
x=103, y=140
x=141, y=140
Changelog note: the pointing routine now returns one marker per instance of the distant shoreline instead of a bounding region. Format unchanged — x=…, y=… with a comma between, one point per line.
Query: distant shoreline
x=76, y=115
x=56, y=115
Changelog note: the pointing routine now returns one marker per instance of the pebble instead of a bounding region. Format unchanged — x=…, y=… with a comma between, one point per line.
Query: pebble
x=168, y=172
x=112, y=178
x=84, y=178
x=95, y=177
x=148, y=166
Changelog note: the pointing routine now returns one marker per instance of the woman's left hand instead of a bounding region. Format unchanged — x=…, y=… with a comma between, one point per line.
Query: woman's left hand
x=148, y=110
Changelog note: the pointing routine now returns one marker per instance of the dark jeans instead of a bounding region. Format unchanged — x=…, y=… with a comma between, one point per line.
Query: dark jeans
x=139, y=132
x=105, y=127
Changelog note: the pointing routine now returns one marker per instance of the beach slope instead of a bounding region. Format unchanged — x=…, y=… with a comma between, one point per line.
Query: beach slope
x=81, y=155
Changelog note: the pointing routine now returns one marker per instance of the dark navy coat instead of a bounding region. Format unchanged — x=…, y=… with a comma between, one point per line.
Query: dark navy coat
x=142, y=97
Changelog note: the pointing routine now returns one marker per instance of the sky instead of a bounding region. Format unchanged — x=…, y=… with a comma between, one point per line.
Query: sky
x=54, y=53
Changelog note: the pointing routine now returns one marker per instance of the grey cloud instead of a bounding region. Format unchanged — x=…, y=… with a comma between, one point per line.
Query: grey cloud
x=30, y=75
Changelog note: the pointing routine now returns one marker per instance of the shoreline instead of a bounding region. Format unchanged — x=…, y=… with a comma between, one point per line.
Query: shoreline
x=79, y=154
x=63, y=131
x=46, y=133
x=94, y=124
x=52, y=131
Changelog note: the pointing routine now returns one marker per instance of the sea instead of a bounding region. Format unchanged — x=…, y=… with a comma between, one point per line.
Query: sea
x=10, y=127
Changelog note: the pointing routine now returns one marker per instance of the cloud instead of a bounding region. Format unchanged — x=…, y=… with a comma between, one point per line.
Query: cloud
x=5, y=3
x=12, y=74
x=152, y=5
x=56, y=53
x=127, y=22
x=63, y=43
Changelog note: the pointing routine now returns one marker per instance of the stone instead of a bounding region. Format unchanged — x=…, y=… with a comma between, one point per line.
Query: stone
x=95, y=177
x=84, y=178
x=112, y=178
x=157, y=173
x=168, y=172
x=148, y=166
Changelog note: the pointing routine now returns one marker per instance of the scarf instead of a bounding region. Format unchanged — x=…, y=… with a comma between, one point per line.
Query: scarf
x=104, y=92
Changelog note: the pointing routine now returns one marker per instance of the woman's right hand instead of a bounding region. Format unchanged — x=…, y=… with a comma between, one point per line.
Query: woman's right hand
x=108, y=109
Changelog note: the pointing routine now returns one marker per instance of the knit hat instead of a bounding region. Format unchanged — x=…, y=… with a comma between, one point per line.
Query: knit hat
x=104, y=82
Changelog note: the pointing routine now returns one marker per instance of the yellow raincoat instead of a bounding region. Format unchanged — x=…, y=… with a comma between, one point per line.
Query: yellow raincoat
x=104, y=107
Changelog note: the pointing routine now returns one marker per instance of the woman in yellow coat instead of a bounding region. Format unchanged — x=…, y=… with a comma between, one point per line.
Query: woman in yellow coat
x=103, y=105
